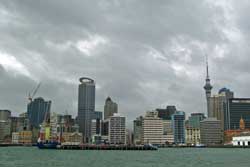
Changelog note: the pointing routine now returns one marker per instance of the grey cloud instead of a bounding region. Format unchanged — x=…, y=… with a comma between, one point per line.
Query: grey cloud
x=152, y=53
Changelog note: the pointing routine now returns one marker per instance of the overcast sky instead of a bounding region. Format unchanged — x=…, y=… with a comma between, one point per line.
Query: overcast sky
x=144, y=54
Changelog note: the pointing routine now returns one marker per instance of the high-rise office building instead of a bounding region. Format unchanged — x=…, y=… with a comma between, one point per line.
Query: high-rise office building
x=166, y=113
x=153, y=130
x=5, y=124
x=178, y=123
x=110, y=108
x=138, y=130
x=96, y=123
x=86, y=106
x=5, y=114
x=237, y=108
x=168, y=131
x=211, y=133
x=194, y=120
x=97, y=115
x=19, y=124
x=208, y=87
x=117, y=129
x=37, y=110
x=218, y=105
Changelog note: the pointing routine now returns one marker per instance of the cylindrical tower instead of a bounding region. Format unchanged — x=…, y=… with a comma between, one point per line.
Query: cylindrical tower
x=86, y=106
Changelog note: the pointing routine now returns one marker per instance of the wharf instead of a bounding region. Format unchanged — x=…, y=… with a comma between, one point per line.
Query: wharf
x=107, y=147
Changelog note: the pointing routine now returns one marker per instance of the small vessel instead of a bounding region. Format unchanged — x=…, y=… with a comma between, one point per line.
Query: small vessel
x=200, y=145
x=150, y=146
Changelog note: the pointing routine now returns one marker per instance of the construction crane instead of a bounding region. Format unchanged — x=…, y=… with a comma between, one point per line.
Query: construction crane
x=31, y=95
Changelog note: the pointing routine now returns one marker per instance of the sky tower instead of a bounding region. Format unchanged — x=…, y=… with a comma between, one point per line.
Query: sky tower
x=208, y=87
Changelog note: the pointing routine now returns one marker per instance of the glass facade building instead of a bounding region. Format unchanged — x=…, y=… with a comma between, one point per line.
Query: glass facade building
x=237, y=108
x=86, y=106
x=178, y=123
x=37, y=110
x=194, y=120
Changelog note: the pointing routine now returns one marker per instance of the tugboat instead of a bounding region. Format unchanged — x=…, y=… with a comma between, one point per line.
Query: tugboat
x=48, y=136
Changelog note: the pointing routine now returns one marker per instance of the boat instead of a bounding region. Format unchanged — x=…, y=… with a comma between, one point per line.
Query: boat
x=48, y=145
x=48, y=138
x=200, y=146
x=150, y=146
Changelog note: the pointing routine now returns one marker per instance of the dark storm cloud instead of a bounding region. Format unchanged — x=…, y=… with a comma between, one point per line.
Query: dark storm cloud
x=144, y=54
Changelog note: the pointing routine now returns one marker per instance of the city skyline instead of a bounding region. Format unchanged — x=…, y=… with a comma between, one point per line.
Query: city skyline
x=155, y=61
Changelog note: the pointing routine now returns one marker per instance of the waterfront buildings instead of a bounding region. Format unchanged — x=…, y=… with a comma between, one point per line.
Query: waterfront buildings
x=210, y=131
x=219, y=105
x=237, y=108
x=241, y=140
x=193, y=128
x=193, y=136
x=15, y=138
x=25, y=137
x=178, y=123
x=229, y=134
x=4, y=130
x=152, y=129
x=96, y=123
x=5, y=125
x=129, y=137
x=105, y=127
x=19, y=123
x=110, y=108
x=86, y=106
x=168, y=131
x=5, y=114
x=37, y=110
x=138, y=130
x=117, y=129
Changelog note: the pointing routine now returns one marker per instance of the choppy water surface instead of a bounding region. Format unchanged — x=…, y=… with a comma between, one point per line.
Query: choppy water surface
x=179, y=157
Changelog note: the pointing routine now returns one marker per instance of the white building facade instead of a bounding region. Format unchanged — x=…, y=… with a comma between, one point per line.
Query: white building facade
x=152, y=130
x=117, y=129
x=241, y=141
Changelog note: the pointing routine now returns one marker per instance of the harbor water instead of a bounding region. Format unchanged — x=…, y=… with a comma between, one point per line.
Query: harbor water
x=166, y=157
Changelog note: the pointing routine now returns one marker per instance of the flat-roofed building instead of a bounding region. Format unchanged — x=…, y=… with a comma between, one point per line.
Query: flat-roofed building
x=237, y=108
x=117, y=129
x=178, y=123
x=211, y=132
x=138, y=130
x=193, y=136
x=152, y=130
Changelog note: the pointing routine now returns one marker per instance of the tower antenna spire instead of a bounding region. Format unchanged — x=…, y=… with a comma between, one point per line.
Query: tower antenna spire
x=208, y=87
x=207, y=65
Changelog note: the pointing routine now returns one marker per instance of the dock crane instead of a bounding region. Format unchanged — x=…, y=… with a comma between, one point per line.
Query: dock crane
x=30, y=97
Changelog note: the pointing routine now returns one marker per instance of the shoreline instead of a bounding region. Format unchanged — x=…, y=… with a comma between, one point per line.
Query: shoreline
x=110, y=147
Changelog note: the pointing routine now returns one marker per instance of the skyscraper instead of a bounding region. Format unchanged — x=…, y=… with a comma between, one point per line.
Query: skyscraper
x=110, y=108
x=117, y=129
x=208, y=87
x=152, y=129
x=166, y=114
x=237, y=108
x=138, y=130
x=86, y=106
x=178, y=123
x=96, y=123
x=194, y=120
x=218, y=105
x=37, y=110
x=5, y=124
